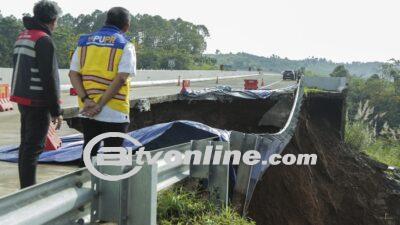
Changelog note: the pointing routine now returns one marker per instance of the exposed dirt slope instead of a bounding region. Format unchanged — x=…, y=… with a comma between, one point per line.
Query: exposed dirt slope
x=344, y=188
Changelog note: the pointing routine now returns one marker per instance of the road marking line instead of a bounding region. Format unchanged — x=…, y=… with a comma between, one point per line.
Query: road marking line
x=269, y=85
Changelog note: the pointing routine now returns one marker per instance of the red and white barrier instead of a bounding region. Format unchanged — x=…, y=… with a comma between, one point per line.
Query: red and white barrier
x=73, y=92
x=250, y=84
x=185, y=86
x=53, y=141
x=5, y=104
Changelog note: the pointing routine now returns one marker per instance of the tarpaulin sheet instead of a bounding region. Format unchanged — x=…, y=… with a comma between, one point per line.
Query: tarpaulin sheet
x=152, y=137
x=213, y=94
x=225, y=92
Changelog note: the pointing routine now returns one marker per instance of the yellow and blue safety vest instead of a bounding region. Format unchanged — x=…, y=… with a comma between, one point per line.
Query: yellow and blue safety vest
x=99, y=54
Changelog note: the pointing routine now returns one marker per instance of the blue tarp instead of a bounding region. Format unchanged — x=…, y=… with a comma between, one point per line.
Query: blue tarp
x=224, y=92
x=152, y=137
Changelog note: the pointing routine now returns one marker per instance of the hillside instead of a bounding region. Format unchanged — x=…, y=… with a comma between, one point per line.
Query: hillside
x=242, y=61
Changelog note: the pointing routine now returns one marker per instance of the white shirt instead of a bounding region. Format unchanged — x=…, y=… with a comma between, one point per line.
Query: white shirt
x=126, y=65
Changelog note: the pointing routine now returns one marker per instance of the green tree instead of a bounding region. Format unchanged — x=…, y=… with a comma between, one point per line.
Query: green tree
x=391, y=71
x=274, y=63
x=374, y=77
x=157, y=40
x=380, y=93
x=340, y=71
x=10, y=28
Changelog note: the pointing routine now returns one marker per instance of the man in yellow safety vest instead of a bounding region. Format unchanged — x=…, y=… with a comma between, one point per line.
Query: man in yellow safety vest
x=100, y=71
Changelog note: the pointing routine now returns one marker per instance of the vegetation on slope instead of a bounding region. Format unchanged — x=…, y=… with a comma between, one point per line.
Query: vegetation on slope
x=180, y=206
x=373, y=115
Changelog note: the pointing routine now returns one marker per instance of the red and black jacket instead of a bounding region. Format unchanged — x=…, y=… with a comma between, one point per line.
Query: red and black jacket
x=35, y=80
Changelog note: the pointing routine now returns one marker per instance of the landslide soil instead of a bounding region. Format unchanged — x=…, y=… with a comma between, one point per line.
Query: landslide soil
x=344, y=188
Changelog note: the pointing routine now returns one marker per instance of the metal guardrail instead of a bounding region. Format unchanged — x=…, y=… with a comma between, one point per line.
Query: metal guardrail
x=134, y=200
x=48, y=202
x=266, y=144
x=70, y=199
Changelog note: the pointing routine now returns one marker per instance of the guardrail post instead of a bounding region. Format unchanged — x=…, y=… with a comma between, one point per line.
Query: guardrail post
x=241, y=188
x=235, y=140
x=94, y=209
x=218, y=181
x=200, y=171
x=107, y=207
x=124, y=193
x=142, y=197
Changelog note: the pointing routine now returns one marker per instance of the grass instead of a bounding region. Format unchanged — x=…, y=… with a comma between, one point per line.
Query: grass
x=359, y=136
x=384, y=151
x=183, y=207
x=311, y=90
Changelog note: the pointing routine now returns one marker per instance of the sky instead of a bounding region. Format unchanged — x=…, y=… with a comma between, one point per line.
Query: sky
x=339, y=30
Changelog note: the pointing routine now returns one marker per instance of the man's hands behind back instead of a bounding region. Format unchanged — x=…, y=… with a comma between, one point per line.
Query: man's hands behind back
x=90, y=108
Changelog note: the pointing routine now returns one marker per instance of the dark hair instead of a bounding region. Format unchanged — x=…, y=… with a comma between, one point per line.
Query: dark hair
x=118, y=17
x=46, y=11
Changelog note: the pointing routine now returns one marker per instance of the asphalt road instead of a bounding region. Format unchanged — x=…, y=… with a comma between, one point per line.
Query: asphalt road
x=9, y=125
x=9, y=121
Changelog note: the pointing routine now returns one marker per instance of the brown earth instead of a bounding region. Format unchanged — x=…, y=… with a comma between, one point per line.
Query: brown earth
x=344, y=188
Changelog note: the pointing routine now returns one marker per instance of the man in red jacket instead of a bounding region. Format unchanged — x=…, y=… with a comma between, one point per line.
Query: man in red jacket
x=35, y=86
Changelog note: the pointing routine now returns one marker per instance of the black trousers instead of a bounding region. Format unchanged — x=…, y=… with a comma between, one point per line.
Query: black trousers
x=92, y=128
x=35, y=123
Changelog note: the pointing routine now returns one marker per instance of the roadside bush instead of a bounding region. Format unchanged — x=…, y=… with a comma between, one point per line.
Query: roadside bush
x=362, y=134
x=358, y=135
